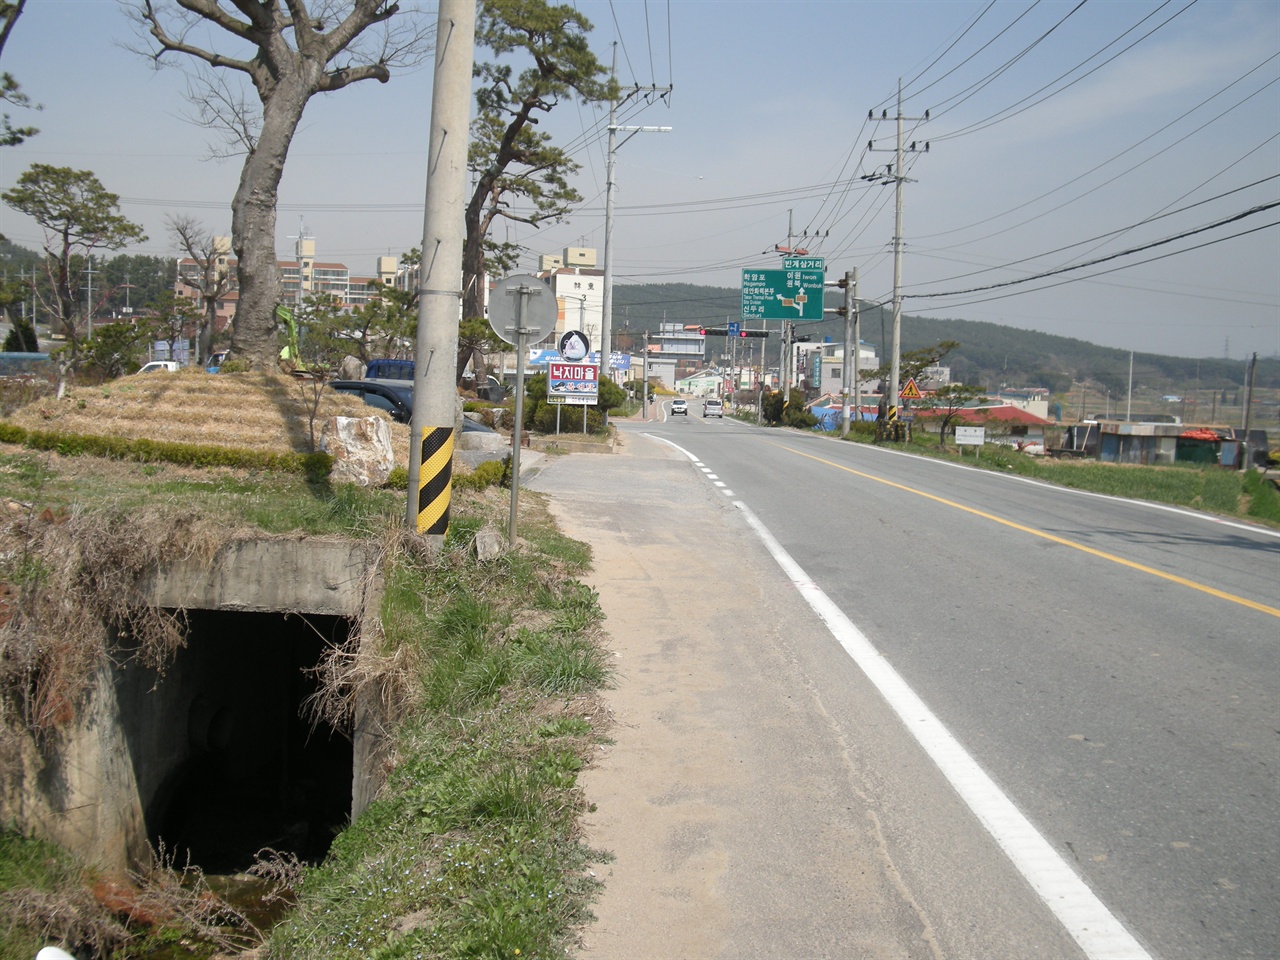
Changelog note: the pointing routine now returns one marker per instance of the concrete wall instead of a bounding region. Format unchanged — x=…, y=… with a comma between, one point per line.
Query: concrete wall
x=98, y=785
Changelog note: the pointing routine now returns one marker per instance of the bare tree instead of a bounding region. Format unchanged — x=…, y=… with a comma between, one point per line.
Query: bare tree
x=211, y=283
x=289, y=51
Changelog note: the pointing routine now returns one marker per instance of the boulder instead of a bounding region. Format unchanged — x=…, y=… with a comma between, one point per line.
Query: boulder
x=361, y=449
x=351, y=368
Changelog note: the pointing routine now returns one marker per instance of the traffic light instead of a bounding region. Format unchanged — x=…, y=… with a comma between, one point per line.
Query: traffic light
x=724, y=332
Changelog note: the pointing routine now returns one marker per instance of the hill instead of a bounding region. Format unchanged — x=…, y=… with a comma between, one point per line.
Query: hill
x=989, y=354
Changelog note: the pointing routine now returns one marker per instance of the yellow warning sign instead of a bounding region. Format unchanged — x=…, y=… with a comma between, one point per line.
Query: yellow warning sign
x=910, y=391
x=434, y=476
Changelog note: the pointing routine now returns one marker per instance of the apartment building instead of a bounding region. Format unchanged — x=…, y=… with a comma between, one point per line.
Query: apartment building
x=300, y=278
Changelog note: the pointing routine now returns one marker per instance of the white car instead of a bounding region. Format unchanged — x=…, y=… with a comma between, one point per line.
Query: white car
x=713, y=407
x=161, y=366
x=680, y=407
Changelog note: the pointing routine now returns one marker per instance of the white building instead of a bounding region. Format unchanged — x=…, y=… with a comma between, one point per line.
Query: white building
x=820, y=366
x=579, y=291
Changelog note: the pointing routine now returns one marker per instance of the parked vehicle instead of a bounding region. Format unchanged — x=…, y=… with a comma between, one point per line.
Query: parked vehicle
x=680, y=407
x=25, y=364
x=400, y=370
x=161, y=366
x=395, y=400
x=713, y=407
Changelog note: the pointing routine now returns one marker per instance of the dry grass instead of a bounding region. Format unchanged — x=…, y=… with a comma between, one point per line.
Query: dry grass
x=68, y=574
x=247, y=411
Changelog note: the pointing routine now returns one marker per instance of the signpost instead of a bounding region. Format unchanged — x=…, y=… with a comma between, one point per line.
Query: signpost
x=573, y=383
x=793, y=293
x=971, y=437
x=522, y=310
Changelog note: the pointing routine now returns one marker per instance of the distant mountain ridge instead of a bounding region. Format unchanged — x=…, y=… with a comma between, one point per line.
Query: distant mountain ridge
x=989, y=353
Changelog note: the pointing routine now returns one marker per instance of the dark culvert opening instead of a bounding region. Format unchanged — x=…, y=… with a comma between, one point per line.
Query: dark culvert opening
x=226, y=756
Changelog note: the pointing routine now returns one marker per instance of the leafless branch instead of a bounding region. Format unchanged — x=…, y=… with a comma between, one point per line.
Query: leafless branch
x=224, y=106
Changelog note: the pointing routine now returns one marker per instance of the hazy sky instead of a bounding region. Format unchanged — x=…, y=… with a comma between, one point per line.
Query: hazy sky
x=1060, y=133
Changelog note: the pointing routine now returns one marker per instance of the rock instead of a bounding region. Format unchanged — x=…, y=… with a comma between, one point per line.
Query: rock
x=361, y=449
x=350, y=369
x=489, y=544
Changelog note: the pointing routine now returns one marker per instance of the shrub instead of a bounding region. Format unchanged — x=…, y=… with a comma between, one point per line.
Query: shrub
x=487, y=474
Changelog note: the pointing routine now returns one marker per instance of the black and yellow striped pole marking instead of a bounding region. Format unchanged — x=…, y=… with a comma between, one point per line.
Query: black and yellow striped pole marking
x=434, y=478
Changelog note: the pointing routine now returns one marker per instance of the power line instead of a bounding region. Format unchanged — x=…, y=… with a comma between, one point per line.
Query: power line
x=1252, y=211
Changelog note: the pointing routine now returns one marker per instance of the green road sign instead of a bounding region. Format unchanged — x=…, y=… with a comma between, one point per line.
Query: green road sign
x=794, y=295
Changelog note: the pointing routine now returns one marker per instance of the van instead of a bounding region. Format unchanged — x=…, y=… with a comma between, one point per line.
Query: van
x=389, y=370
x=713, y=407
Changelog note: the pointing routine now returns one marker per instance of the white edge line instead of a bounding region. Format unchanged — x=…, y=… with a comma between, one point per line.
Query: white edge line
x=1095, y=928
x=1098, y=932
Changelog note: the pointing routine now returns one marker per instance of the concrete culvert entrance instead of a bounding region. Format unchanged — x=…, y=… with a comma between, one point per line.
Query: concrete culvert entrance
x=225, y=755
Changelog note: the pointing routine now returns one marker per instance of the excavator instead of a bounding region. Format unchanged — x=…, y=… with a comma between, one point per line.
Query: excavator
x=290, y=356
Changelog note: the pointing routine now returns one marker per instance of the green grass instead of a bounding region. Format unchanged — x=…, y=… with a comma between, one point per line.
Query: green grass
x=28, y=868
x=472, y=850
x=1243, y=494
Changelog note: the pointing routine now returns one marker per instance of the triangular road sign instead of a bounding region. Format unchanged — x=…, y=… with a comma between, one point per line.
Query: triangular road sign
x=910, y=391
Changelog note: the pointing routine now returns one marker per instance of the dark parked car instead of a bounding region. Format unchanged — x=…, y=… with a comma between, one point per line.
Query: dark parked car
x=397, y=401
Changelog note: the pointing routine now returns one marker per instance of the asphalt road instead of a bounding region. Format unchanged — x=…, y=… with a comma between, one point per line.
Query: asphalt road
x=1111, y=665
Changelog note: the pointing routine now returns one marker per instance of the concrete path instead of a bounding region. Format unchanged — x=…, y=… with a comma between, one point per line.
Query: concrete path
x=760, y=800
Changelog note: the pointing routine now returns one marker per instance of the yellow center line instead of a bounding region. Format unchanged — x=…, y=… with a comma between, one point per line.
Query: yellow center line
x=1172, y=578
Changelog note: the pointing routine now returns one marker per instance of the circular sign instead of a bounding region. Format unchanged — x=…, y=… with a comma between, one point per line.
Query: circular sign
x=574, y=346
x=522, y=305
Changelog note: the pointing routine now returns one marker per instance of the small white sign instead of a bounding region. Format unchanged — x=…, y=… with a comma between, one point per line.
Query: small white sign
x=970, y=436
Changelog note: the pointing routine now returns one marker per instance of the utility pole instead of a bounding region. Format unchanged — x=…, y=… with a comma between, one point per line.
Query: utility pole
x=896, y=178
x=435, y=395
x=88, y=299
x=606, y=304
x=1128, y=404
x=849, y=369
x=644, y=379
x=1248, y=396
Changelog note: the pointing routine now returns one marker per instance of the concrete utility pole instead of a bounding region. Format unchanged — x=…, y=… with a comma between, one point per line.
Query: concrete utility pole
x=1128, y=406
x=435, y=395
x=88, y=298
x=896, y=178
x=1250, y=371
x=606, y=304
x=849, y=369
x=644, y=379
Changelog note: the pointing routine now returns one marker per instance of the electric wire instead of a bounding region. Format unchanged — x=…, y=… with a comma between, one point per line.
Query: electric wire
x=1004, y=115
x=1110, y=234
x=1100, y=273
x=991, y=77
x=1008, y=27
x=1252, y=211
x=1112, y=159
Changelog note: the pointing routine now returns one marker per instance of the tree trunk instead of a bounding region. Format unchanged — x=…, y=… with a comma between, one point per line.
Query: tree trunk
x=253, y=227
x=473, y=274
x=204, y=333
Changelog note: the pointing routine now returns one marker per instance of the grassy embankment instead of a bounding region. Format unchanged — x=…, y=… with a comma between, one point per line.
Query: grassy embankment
x=1246, y=495
x=487, y=672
